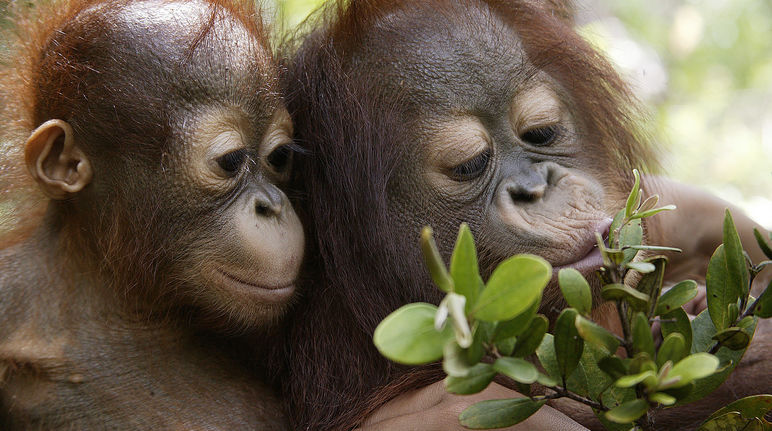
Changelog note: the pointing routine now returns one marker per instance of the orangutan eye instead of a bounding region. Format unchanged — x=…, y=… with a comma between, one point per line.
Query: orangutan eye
x=540, y=136
x=232, y=162
x=472, y=168
x=280, y=158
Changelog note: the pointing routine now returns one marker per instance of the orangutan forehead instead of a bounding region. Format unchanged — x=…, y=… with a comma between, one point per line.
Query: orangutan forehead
x=176, y=32
x=198, y=47
x=427, y=52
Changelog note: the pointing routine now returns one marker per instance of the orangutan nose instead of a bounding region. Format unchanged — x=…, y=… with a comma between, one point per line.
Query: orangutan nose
x=269, y=201
x=527, y=188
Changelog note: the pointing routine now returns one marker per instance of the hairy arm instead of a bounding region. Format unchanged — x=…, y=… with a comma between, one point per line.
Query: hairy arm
x=696, y=227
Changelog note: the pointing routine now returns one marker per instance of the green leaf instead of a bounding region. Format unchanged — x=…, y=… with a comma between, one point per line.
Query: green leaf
x=635, y=195
x=755, y=406
x=578, y=382
x=434, y=261
x=546, y=380
x=631, y=234
x=703, y=331
x=568, y=344
x=651, y=283
x=720, y=292
x=628, y=412
x=613, y=366
x=764, y=304
x=662, y=398
x=576, y=290
x=547, y=357
x=515, y=326
x=649, y=203
x=630, y=381
x=514, y=285
x=478, y=378
x=673, y=349
x=612, y=256
x=682, y=393
x=642, y=362
x=693, y=367
x=748, y=324
x=765, y=248
x=517, y=369
x=455, y=361
x=408, y=336
x=529, y=341
x=731, y=421
x=507, y=346
x=463, y=267
x=642, y=267
x=677, y=321
x=737, y=268
x=676, y=297
x=619, y=292
x=499, y=413
x=587, y=379
x=483, y=333
x=655, y=248
x=596, y=334
x=615, y=226
x=651, y=212
x=733, y=338
x=641, y=331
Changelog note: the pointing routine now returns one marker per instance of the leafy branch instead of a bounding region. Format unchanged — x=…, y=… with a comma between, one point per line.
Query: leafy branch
x=581, y=359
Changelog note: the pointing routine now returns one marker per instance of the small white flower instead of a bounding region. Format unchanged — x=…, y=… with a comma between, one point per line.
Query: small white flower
x=442, y=315
x=453, y=305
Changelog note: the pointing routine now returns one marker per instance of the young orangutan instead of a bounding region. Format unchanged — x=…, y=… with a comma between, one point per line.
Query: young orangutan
x=493, y=113
x=156, y=131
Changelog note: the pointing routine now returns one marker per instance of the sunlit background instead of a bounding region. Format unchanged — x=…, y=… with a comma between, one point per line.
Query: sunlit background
x=704, y=67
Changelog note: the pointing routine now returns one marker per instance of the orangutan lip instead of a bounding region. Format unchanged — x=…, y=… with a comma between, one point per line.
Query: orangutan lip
x=231, y=277
x=591, y=261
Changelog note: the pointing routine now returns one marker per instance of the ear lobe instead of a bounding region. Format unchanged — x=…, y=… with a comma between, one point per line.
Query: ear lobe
x=55, y=161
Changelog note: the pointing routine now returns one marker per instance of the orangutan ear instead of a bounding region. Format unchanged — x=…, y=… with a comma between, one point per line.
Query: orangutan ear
x=55, y=161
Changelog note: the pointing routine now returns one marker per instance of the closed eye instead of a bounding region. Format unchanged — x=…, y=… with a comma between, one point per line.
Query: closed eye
x=231, y=162
x=471, y=168
x=280, y=158
x=541, y=136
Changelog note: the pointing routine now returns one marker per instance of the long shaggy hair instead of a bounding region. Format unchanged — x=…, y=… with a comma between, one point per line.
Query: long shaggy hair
x=361, y=270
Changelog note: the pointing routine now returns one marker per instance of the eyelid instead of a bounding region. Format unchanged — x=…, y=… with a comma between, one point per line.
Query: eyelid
x=233, y=161
x=542, y=136
x=475, y=167
x=535, y=107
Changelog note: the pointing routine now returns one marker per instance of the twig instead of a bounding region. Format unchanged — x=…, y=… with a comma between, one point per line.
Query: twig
x=561, y=392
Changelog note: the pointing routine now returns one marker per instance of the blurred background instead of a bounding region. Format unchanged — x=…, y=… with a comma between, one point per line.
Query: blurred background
x=704, y=67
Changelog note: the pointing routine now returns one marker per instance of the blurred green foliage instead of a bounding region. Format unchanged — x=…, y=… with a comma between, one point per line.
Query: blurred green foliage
x=714, y=111
x=293, y=12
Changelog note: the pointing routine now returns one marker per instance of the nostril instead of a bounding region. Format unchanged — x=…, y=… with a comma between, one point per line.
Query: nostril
x=265, y=208
x=262, y=209
x=269, y=201
x=524, y=194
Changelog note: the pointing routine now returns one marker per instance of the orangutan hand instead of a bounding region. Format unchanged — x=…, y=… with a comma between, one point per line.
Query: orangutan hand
x=432, y=408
